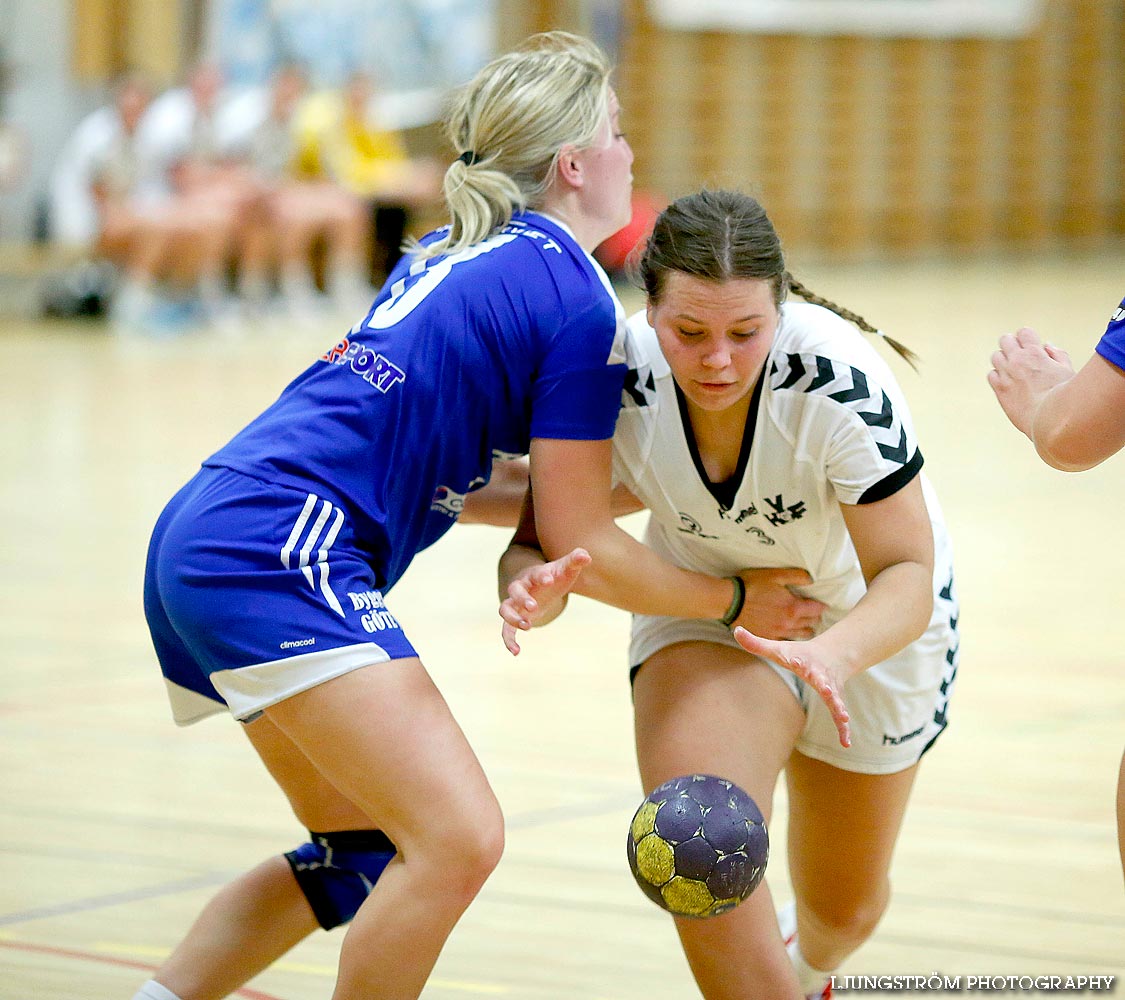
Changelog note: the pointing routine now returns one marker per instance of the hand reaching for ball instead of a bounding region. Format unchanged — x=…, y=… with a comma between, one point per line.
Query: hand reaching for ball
x=806, y=661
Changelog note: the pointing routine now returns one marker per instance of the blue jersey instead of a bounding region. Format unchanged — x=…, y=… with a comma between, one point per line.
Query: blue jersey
x=1112, y=345
x=462, y=358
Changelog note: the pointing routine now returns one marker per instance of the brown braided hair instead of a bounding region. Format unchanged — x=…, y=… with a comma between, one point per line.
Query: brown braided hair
x=723, y=235
x=904, y=352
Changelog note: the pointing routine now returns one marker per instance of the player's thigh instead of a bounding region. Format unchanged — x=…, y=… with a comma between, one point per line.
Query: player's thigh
x=848, y=857
x=385, y=737
x=703, y=707
x=317, y=803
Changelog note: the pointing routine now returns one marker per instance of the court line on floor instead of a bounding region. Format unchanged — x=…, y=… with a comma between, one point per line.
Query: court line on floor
x=86, y=956
x=116, y=898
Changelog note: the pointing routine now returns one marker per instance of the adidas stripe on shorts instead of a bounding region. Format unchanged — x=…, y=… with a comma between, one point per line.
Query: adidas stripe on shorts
x=255, y=592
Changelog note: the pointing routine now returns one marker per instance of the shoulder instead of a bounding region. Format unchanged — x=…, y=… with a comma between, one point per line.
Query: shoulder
x=818, y=353
x=643, y=347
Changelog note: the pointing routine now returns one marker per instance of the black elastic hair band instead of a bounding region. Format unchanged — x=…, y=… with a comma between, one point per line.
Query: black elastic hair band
x=468, y=158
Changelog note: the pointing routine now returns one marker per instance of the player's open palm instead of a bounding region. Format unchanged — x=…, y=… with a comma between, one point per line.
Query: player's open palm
x=773, y=610
x=538, y=594
x=805, y=660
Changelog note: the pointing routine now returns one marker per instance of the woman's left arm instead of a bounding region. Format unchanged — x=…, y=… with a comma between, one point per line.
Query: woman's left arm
x=894, y=542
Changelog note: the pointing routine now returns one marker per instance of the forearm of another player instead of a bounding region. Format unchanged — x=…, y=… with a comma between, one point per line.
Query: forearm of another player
x=629, y=575
x=1081, y=422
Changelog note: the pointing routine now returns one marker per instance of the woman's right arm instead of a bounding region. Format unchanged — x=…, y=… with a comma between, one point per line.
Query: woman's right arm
x=572, y=485
x=533, y=588
x=1075, y=420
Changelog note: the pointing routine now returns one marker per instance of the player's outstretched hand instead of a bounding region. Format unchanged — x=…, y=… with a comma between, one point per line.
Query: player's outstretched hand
x=773, y=610
x=803, y=659
x=1024, y=370
x=538, y=594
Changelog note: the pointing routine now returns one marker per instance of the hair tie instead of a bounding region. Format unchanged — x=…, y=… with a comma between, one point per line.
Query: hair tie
x=468, y=158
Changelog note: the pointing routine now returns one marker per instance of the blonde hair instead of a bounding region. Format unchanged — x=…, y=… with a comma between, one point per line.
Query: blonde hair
x=509, y=125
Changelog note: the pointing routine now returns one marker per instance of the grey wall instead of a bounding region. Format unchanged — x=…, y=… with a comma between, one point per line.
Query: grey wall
x=43, y=102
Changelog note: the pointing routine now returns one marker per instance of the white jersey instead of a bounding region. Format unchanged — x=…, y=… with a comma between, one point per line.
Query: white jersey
x=828, y=426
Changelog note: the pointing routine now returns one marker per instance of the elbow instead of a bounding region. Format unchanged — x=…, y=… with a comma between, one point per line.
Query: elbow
x=1066, y=446
x=1066, y=456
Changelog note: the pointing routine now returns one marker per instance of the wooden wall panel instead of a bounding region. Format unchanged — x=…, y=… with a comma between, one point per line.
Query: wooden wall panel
x=1083, y=209
x=863, y=146
x=906, y=221
x=97, y=29
x=154, y=39
x=112, y=37
x=966, y=219
x=843, y=132
x=1024, y=203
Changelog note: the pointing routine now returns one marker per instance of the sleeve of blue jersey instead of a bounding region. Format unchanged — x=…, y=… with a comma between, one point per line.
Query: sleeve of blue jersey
x=578, y=390
x=1112, y=345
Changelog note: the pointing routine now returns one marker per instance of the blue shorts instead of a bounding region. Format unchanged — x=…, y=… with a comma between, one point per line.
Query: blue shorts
x=255, y=592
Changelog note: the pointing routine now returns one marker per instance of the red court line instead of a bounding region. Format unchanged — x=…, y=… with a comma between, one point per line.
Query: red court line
x=87, y=956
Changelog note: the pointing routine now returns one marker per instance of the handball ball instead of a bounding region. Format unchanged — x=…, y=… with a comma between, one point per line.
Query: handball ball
x=698, y=846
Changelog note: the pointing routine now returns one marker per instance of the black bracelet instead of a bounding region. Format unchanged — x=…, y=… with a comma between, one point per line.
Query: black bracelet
x=736, y=603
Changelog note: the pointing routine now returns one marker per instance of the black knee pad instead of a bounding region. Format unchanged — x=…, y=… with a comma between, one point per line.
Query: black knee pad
x=336, y=871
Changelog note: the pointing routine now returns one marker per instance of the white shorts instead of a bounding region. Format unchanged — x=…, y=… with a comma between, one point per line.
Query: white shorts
x=897, y=707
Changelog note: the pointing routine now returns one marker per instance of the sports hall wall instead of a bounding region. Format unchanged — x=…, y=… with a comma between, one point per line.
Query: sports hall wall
x=859, y=145
x=876, y=146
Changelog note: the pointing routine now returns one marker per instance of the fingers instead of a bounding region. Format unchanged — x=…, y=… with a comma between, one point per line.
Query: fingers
x=519, y=600
x=1008, y=344
x=513, y=613
x=508, y=633
x=789, y=577
x=1026, y=337
x=808, y=607
x=755, y=644
x=812, y=674
x=838, y=710
x=1057, y=354
x=571, y=565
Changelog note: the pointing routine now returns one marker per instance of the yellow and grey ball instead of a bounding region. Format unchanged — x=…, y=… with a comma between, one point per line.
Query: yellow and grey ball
x=698, y=845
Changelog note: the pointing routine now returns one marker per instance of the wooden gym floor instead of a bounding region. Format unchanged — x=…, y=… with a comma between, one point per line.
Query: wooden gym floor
x=117, y=826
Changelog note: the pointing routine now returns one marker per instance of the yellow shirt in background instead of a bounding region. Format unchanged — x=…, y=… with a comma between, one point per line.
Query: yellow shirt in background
x=365, y=158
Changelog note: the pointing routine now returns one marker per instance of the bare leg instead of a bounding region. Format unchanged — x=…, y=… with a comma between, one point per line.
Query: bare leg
x=348, y=222
x=257, y=918
x=377, y=746
x=385, y=738
x=255, y=238
x=840, y=869
x=707, y=708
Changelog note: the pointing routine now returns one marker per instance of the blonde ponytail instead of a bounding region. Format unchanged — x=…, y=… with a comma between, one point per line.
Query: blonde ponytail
x=509, y=125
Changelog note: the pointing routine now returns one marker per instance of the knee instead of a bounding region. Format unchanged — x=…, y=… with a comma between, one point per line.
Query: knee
x=461, y=855
x=479, y=849
x=852, y=919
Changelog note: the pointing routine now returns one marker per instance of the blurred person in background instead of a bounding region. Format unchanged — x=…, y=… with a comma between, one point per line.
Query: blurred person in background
x=343, y=139
x=187, y=135
x=292, y=214
x=107, y=198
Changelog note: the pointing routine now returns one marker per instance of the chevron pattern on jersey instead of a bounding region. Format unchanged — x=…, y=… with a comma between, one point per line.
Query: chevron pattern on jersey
x=640, y=387
x=849, y=386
